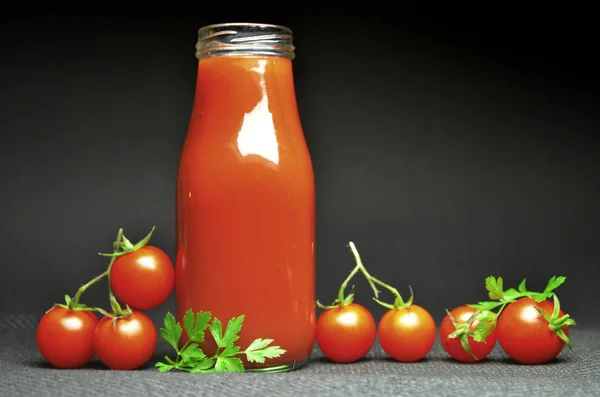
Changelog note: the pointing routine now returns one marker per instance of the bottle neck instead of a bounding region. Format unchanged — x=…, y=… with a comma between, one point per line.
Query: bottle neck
x=236, y=85
x=245, y=65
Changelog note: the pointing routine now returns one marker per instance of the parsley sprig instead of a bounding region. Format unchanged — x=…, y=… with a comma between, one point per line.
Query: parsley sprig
x=191, y=358
x=488, y=311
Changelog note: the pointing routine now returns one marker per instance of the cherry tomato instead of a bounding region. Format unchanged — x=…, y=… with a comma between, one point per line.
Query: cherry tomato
x=65, y=338
x=453, y=346
x=407, y=334
x=127, y=346
x=345, y=333
x=524, y=334
x=143, y=279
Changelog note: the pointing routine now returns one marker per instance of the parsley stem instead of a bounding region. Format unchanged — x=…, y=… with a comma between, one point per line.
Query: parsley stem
x=501, y=308
x=174, y=363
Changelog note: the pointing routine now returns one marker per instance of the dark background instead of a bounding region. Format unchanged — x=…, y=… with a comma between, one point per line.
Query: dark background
x=447, y=147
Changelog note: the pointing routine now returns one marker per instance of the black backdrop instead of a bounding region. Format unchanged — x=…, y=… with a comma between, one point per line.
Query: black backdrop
x=446, y=148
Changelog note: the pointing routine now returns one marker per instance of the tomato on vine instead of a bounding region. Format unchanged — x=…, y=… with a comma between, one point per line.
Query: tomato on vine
x=346, y=330
x=530, y=328
x=69, y=334
x=140, y=275
x=406, y=331
x=65, y=333
x=345, y=333
x=533, y=332
x=458, y=336
x=65, y=336
x=125, y=340
x=143, y=279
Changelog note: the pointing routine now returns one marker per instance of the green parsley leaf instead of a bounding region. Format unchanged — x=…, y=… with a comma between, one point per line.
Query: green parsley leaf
x=548, y=291
x=554, y=283
x=486, y=323
x=162, y=367
x=522, y=287
x=234, y=326
x=259, y=350
x=195, y=327
x=191, y=357
x=511, y=294
x=494, y=287
x=258, y=344
x=482, y=331
x=192, y=353
x=216, y=330
x=485, y=305
x=229, y=364
x=205, y=366
x=230, y=351
x=171, y=331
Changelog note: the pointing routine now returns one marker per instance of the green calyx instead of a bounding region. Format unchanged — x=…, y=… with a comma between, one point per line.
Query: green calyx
x=345, y=301
x=462, y=332
x=556, y=323
x=122, y=246
x=399, y=303
x=486, y=322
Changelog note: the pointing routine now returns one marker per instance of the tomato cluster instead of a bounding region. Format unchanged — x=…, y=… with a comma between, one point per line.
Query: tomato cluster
x=141, y=277
x=530, y=328
x=346, y=330
x=529, y=331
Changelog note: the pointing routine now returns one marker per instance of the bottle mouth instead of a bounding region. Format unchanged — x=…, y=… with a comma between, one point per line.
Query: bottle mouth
x=240, y=38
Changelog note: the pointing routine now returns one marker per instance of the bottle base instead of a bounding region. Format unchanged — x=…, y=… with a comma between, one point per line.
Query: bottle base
x=279, y=368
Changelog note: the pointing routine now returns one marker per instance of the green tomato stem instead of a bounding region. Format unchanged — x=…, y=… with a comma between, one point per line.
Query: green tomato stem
x=75, y=301
x=116, y=245
x=344, y=285
x=398, y=302
x=114, y=304
x=361, y=267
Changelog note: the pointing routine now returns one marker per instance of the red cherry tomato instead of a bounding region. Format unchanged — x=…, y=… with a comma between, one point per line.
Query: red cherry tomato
x=65, y=338
x=525, y=335
x=407, y=334
x=346, y=333
x=453, y=346
x=143, y=279
x=127, y=346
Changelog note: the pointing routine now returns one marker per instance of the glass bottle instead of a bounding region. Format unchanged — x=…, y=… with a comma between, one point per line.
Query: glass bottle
x=245, y=194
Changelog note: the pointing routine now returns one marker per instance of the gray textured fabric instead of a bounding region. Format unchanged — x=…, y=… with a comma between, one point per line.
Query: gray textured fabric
x=576, y=373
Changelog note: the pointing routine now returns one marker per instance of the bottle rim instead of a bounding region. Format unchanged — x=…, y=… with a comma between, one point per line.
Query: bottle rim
x=245, y=24
x=245, y=38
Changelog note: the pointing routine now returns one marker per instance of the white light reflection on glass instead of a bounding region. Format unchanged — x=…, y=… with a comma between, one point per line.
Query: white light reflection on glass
x=257, y=135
